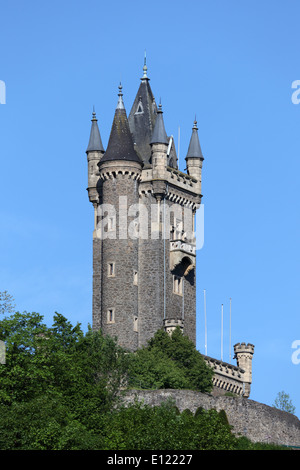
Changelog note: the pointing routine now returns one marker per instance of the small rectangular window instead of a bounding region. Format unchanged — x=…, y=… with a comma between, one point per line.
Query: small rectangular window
x=110, y=269
x=177, y=285
x=178, y=226
x=110, y=223
x=111, y=315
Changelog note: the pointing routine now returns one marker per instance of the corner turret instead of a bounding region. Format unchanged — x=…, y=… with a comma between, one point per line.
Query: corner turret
x=194, y=158
x=116, y=241
x=159, y=147
x=94, y=153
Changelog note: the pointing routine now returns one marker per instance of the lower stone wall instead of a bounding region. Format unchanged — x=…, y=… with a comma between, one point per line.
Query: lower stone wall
x=256, y=421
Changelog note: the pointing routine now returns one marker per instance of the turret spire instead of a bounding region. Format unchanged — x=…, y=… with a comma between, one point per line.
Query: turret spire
x=194, y=150
x=95, y=142
x=159, y=135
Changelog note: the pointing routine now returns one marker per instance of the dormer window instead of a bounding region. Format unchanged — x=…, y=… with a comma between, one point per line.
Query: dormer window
x=139, y=109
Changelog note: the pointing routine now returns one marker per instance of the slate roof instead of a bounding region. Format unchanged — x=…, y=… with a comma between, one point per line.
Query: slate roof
x=142, y=119
x=194, y=150
x=159, y=135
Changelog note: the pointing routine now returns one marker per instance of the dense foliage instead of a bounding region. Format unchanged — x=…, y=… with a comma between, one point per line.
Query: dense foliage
x=170, y=362
x=60, y=390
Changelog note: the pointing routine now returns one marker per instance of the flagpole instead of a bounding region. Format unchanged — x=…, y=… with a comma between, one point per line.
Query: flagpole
x=230, y=333
x=205, y=325
x=222, y=334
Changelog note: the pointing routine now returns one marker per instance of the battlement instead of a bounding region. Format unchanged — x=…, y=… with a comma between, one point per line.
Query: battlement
x=176, y=178
x=170, y=324
x=243, y=347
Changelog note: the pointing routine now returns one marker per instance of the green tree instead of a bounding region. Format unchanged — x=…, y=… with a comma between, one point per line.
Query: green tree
x=60, y=390
x=59, y=359
x=57, y=383
x=142, y=427
x=170, y=361
x=43, y=423
x=284, y=403
x=6, y=302
x=25, y=371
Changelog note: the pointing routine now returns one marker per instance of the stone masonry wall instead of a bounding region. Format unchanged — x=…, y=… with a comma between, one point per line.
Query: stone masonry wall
x=256, y=421
x=118, y=292
x=151, y=279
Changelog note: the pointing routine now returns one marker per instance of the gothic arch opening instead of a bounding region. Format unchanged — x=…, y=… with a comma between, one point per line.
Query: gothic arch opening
x=185, y=268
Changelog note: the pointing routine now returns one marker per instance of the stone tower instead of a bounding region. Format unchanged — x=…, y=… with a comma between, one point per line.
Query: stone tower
x=244, y=354
x=144, y=247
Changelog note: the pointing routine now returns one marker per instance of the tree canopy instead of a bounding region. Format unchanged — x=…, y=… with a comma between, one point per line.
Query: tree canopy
x=60, y=389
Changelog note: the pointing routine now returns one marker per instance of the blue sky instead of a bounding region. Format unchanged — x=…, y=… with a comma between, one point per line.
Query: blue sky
x=230, y=63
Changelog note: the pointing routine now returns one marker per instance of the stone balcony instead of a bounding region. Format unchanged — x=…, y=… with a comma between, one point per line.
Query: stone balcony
x=185, y=247
x=181, y=249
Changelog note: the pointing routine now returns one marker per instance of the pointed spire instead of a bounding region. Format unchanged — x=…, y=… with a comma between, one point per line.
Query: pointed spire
x=194, y=150
x=120, y=145
x=95, y=142
x=159, y=135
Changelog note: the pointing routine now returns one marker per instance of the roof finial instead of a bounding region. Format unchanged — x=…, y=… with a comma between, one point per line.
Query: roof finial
x=120, y=104
x=145, y=68
x=120, y=90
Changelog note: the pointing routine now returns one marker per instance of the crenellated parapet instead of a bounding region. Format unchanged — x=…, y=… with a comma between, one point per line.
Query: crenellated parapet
x=114, y=170
x=170, y=324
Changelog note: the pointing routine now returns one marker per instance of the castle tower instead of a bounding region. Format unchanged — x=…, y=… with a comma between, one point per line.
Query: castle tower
x=144, y=252
x=117, y=253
